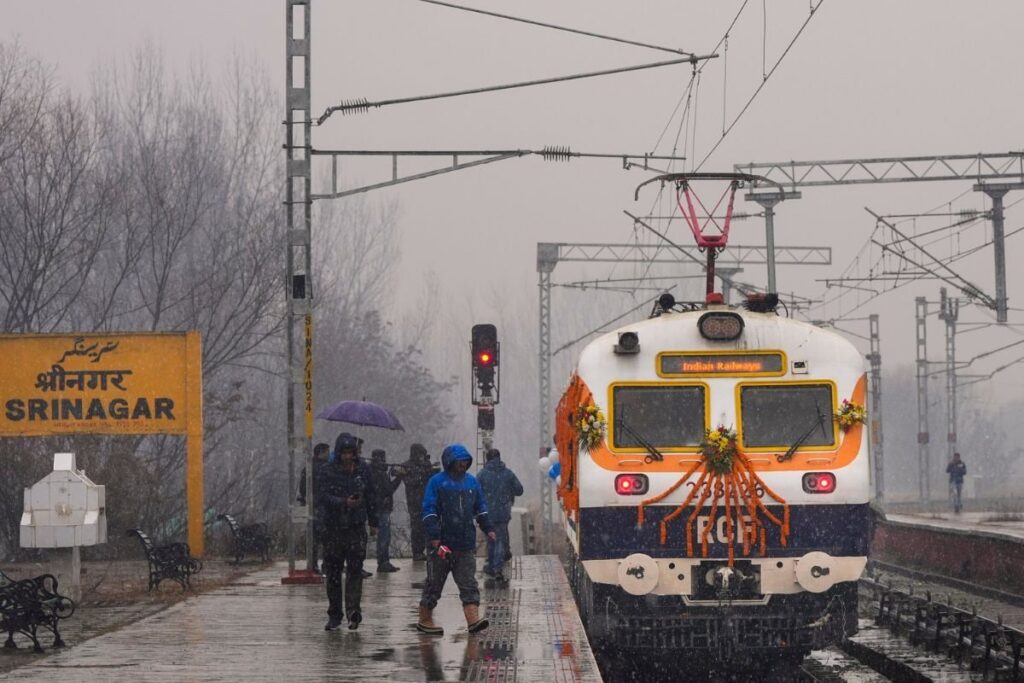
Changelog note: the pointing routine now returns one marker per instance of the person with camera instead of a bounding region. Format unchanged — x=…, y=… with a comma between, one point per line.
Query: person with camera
x=416, y=472
x=321, y=453
x=386, y=480
x=346, y=502
x=452, y=502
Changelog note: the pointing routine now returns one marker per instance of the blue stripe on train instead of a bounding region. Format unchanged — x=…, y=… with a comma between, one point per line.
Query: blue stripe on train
x=611, y=532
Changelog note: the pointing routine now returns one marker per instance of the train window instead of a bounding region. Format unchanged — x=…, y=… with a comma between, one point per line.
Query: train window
x=665, y=416
x=783, y=414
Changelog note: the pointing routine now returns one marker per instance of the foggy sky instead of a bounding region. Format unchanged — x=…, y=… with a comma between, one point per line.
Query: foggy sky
x=866, y=79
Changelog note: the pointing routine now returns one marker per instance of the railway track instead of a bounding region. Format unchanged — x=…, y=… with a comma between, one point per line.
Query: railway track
x=916, y=627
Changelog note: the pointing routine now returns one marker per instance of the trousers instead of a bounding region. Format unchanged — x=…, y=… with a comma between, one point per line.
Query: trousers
x=497, y=549
x=344, y=551
x=461, y=564
x=417, y=532
x=383, y=538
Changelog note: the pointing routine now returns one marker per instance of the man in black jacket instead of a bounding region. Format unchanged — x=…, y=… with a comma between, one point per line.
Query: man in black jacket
x=416, y=472
x=384, y=486
x=346, y=503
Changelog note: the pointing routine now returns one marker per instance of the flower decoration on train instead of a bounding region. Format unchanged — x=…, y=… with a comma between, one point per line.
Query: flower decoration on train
x=850, y=414
x=591, y=427
x=718, y=448
x=723, y=482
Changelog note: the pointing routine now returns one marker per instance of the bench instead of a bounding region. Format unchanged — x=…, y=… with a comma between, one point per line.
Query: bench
x=31, y=604
x=252, y=539
x=173, y=561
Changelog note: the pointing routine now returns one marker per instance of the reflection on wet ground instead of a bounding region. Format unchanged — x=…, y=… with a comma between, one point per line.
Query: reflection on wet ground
x=259, y=630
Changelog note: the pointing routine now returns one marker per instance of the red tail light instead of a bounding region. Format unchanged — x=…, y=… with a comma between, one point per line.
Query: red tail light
x=631, y=484
x=819, y=482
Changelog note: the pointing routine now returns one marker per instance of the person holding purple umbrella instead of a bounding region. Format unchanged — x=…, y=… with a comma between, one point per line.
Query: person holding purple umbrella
x=346, y=501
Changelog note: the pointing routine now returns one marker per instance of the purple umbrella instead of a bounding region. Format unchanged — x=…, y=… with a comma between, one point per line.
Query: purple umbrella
x=361, y=413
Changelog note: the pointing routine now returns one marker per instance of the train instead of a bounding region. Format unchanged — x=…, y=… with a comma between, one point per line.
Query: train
x=715, y=483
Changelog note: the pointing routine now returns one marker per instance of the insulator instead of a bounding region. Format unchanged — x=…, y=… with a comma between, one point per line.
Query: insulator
x=969, y=213
x=556, y=153
x=359, y=106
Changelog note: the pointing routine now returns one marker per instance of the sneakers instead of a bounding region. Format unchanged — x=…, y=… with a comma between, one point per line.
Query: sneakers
x=366, y=574
x=500, y=578
x=488, y=572
x=386, y=568
x=354, y=620
x=332, y=623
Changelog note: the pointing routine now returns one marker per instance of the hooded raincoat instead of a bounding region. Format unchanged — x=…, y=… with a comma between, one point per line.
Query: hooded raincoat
x=451, y=505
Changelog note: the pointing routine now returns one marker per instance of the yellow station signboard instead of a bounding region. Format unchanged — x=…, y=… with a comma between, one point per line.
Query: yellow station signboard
x=113, y=383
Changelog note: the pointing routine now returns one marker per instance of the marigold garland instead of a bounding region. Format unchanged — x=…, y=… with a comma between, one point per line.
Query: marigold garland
x=718, y=449
x=590, y=426
x=728, y=479
x=850, y=414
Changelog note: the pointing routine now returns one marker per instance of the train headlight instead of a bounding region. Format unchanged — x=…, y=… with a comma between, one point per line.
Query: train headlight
x=631, y=484
x=629, y=343
x=720, y=325
x=819, y=482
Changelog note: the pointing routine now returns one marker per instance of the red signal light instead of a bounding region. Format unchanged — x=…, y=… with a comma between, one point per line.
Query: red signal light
x=485, y=358
x=631, y=484
x=819, y=482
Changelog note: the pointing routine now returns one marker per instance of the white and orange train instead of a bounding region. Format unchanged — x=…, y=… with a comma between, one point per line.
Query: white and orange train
x=749, y=544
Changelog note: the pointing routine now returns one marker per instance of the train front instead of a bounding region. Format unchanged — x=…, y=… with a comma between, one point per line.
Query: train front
x=715, y=484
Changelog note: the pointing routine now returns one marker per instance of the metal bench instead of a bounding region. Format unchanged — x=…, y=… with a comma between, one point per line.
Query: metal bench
x=30, y=604
x=249, y=539
x=173, y=561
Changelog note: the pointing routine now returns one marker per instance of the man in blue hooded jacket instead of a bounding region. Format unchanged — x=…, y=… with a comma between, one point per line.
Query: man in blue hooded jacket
x=452, y=502
x=500, y=486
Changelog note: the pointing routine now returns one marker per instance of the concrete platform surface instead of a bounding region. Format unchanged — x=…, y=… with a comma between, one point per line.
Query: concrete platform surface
x=255, y=629
x=1008, y=526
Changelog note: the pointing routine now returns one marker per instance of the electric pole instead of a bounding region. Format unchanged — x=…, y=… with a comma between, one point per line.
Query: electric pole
x=875, y=358
x=923, y=470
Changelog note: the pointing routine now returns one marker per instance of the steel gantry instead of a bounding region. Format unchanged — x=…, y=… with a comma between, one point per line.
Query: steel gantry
x=550, y=254
x=981, y=168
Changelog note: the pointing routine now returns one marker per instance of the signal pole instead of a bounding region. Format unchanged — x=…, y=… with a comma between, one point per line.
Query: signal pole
x=485, y=353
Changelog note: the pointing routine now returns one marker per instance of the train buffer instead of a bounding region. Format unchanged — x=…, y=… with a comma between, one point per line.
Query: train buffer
x=258, y=630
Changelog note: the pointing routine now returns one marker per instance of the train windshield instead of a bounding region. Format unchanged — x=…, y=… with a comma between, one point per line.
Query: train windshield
x=781, y=414
x=665, y=417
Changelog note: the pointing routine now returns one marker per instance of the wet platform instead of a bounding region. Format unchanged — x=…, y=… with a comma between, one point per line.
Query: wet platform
x=998, y=525
x=985, y=549
x=258, y=630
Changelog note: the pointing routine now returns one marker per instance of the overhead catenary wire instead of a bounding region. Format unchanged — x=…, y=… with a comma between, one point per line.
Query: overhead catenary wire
x=556, y=27
x=687, y=128
x=577, y=340
x=917, y=278
x=735, y=284
x=813, y=10
x=362, y=104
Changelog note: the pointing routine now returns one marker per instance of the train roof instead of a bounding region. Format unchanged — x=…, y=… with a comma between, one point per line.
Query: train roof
x=677, y=331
